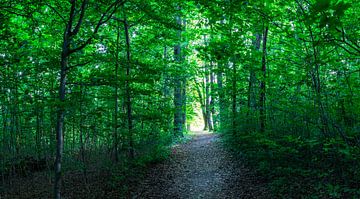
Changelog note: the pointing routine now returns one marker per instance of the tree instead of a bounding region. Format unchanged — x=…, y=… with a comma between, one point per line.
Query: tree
x=71, y=31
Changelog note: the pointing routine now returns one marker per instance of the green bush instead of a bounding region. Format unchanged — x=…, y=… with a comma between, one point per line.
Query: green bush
x=296, y=166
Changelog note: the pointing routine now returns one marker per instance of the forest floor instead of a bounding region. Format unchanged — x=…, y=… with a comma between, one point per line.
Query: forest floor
x=201, y=168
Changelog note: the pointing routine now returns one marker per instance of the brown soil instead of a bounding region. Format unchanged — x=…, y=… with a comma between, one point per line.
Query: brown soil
x=201, y=168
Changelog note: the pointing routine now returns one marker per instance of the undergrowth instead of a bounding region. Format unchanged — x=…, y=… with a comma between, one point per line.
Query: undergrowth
x=130, y=171
x=296, y=167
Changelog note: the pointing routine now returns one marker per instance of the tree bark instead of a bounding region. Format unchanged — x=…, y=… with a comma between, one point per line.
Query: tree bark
x=208, y=98
x=116, y=98
x=60, y=120
x=183, y=103
x=212, y=96
x=252, y=81
x=221, y=95
x=234, y=100
x=178, y=98
x=127, y=89
x=202, y=104
x=262, y=100
x=71, y=30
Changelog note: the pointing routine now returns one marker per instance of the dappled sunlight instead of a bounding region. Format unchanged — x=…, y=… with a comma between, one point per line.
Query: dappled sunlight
x=200, y=132
x=197, y=124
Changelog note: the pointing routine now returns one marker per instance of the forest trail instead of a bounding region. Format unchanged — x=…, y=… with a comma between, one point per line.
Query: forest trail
x=201, y=168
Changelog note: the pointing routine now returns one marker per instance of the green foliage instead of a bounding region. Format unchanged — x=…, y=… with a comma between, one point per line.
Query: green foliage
x=298, y=166
x=307, y=76
x=32, y=39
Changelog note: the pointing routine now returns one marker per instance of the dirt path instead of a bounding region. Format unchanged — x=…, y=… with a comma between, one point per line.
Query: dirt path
x=201, y=168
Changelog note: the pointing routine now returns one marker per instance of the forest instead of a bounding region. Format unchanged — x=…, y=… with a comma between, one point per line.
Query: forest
x=95, y=94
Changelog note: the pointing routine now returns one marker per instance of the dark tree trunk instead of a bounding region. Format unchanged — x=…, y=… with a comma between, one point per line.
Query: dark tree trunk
x=60, y=120
x=82, y=144
x=252, y=81
x=234, y=100
x=178, y=108
x=178, y=98
x=71, y=30
x=221, y=95
x=127, y=89
x=166, y=91
x=183, y=104
x=207, y=99
x=263, y=84
x=116, y=99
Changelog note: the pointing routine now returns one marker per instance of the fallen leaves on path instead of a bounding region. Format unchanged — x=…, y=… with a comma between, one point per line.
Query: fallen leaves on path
x=202, y=168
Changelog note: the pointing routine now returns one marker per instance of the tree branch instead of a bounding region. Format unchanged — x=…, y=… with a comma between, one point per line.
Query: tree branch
x=78, y=65
x=82, y=13
x=57, y=12
x=101, y=21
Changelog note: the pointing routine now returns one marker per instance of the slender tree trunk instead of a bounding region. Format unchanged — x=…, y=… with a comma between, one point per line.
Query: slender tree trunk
x=202, y=105
x=184, y=78
x=82, y=144
x=252, y=81
x=127, y=89
x=116, y=98
x=212, y=96
x=263, y=84
x=38, y=134
x=166, y=91
x=60, y=121
x=183, y=103
x=221, y=95
x=315, y=76
x=53, y=117
x=234, y=100
x=207, y=99
x=178, y=101
x=4, y=147
x=178, y=108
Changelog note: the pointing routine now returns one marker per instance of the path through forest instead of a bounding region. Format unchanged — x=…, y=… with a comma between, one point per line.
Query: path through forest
x=201, y=168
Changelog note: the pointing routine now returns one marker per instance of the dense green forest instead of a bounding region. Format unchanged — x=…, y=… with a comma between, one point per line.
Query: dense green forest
x=111, y=85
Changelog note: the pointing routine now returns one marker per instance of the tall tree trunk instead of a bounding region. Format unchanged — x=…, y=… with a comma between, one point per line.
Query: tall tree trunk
x=184, y=78
x=208, y=98
x=234, y=100
x=315, y=77
x=221, y=95
x=71, y=30
x=82, y=144
x=212, y=96
x=60, y=119
x=178, y=107
x=127, y=89
x=207, y=103
x=183, y=103
x=166, y=91
x=116, y=99
x=252, y=81
x=202, y=103
x=178, y=101
x=263, y=84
